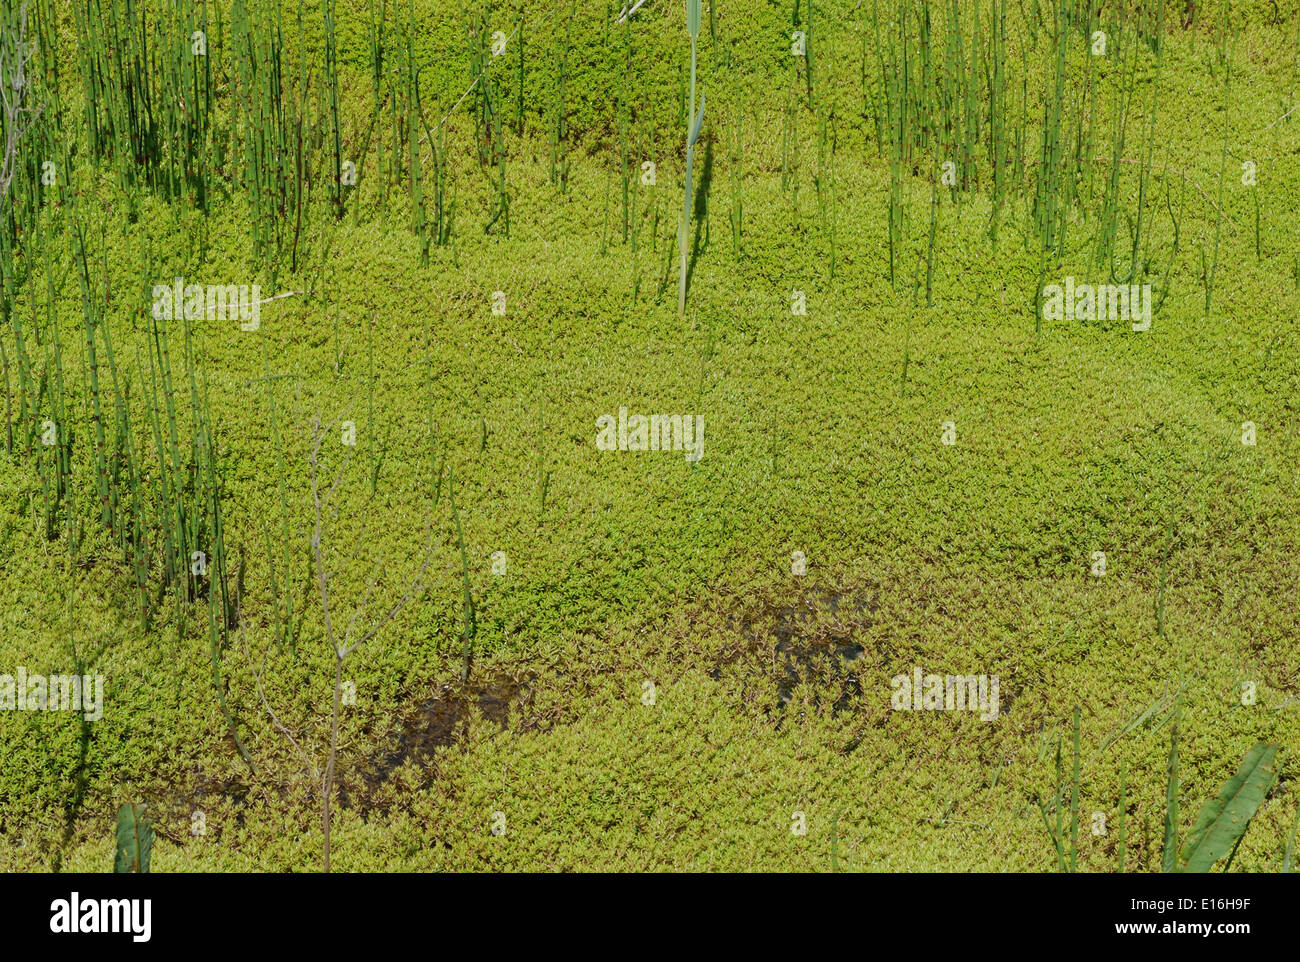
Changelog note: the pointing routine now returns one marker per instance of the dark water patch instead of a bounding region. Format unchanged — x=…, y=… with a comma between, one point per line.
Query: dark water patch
x=432, y=726
x=815, y=640
x=183, y=809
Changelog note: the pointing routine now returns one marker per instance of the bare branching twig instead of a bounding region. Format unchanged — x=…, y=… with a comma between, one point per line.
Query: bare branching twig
x=346, y=645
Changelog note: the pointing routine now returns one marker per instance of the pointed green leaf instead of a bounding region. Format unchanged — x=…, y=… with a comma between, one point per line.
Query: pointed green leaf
x=699, y=122
x=1223, y=819
x=1290, y=844
x=134, y=839
x=1170, y=861
x=693, y=17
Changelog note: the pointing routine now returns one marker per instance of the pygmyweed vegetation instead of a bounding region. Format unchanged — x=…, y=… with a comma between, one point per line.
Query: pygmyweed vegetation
x=320, y=323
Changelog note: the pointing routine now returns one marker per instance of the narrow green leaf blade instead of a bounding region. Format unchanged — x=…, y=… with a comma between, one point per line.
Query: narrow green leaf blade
x=1169, y=863
x=699, y=122
x=1223, y=820
x=134, y=839
x=693, y=17
x=1290, y=844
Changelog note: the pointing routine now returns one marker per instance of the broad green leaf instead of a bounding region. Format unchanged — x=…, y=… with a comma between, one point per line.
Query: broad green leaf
x=134, y=839
x=693, y=17
x=1224, y=818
